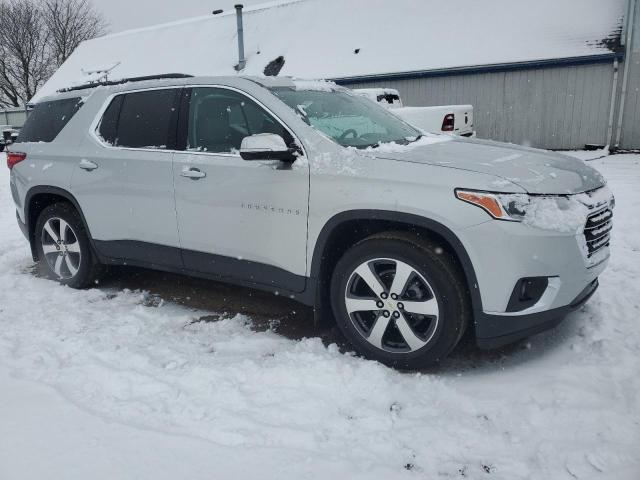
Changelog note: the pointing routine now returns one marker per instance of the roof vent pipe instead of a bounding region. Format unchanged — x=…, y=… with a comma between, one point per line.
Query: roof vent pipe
x=241, y=60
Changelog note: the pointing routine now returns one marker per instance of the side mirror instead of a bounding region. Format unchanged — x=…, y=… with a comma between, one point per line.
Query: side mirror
x=267, y=146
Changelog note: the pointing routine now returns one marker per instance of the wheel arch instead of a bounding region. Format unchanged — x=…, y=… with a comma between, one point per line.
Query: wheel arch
x=347, y=228
x=40, y=197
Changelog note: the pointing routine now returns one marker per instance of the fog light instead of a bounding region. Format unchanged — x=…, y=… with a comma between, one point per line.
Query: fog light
x=527, y=292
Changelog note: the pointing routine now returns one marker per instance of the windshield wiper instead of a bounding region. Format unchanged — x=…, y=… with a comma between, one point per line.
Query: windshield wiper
x=402, y=141
x=368, y=145
x=406, y=140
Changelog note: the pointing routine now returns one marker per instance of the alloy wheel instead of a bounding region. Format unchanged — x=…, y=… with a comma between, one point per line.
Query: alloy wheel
x=61, y=248
x=392, y=305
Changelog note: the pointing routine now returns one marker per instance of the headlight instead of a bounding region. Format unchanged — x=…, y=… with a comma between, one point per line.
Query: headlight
x=510, y=207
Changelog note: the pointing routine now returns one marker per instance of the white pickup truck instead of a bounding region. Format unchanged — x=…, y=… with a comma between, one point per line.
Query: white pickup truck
x=455, y=119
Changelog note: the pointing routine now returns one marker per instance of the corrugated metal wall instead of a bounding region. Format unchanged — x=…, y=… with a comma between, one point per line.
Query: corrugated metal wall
x=631, y=119
x=13, y=116
x=557, y=108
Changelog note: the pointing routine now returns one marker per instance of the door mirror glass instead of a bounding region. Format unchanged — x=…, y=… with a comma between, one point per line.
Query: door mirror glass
x=267, y=146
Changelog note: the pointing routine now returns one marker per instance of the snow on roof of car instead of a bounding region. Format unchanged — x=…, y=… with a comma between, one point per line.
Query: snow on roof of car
x=340, y=39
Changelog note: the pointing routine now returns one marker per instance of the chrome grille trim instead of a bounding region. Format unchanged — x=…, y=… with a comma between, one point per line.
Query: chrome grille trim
x=597, y=231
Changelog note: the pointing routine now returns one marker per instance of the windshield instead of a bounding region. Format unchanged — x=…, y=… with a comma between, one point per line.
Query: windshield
x=350, y=120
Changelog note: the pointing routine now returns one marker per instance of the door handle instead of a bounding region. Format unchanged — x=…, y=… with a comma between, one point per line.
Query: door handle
x=193, y=173
x=87, y=165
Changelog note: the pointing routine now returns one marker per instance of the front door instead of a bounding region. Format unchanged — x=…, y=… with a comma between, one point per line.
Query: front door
x=244, y=220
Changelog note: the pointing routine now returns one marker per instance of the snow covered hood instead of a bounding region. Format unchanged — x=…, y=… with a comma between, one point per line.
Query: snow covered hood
x=345, y=39
x=536, y=171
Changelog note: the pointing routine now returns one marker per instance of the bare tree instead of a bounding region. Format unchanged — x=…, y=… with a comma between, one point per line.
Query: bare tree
x=36, y=37
x=25, y=59
x=69, y=23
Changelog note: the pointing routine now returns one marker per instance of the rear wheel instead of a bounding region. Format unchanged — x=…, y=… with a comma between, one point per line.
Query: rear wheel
x=63, y=248
x=400, y=300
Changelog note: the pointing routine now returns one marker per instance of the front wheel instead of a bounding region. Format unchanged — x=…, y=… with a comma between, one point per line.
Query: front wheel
x=63, y=248
x=400, y=300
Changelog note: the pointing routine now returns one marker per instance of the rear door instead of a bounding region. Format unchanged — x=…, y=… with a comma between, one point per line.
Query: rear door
x=124, y=182
x=245, y=220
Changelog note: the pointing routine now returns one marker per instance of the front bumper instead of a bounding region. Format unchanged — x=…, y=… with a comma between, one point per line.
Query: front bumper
x=493, y=331
x=502, y=253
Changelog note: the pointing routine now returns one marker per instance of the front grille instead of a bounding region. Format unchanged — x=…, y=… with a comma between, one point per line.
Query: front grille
x=597, y=231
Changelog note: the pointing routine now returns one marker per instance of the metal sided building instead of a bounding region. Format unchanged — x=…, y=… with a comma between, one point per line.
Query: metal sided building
x=557, y=74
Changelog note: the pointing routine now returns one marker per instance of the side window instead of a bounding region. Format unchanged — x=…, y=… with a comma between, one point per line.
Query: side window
x=47, y=120
x=219, y=119
x=260, y=122
x=146, y=119
x=109, y=123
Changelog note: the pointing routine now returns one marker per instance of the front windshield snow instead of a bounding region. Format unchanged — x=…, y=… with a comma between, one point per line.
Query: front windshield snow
x=350, y=120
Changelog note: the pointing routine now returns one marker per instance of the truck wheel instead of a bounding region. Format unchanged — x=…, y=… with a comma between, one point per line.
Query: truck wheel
x=63, y=248
x=400, y=300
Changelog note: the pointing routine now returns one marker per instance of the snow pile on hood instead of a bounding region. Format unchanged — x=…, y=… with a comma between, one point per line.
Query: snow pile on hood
x=351, y=160
x=559, y=213
x=595, y=198
x=393, y=147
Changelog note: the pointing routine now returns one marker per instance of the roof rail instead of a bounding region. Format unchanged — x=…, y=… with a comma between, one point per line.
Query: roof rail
x=124, y=80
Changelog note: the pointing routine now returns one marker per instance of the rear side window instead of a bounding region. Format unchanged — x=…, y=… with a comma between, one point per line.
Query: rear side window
x=141, y=119
x=109, y=123
x=47, y=120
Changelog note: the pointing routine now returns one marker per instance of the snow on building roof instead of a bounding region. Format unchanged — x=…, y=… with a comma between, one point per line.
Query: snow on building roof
x=344, y=39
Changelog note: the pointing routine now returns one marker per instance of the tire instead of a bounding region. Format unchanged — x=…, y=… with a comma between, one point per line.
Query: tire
x=69, y=258
x=430, y=311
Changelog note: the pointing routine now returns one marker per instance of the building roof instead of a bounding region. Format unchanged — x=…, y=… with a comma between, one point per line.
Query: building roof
x=342, y=39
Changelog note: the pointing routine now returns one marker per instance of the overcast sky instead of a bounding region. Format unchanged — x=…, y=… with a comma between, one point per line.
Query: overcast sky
x=126, y=14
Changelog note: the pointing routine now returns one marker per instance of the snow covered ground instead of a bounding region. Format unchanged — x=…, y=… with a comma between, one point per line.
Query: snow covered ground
x=106, y=384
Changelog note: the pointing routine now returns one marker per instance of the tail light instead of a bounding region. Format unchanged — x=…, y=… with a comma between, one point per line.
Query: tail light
x=448, y=123
x=14, y=158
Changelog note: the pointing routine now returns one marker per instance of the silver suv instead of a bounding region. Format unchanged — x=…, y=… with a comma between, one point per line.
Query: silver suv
x=403, y=238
